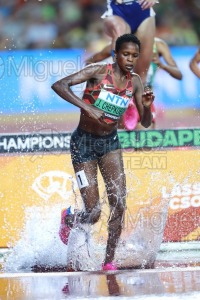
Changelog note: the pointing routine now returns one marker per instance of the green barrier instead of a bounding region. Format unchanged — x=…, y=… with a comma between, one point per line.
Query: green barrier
x=160, y=138
x=60, y=141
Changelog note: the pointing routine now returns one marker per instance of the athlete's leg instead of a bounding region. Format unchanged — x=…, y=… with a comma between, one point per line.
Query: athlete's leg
x=114, y=26
x=146, y=34
x=112, y=170
x=86, y=174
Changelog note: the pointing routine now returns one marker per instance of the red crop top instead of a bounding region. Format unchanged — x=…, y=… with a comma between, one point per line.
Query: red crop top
x=107, y=97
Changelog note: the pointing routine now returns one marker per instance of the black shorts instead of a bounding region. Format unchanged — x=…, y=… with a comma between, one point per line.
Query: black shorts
x=85, y=146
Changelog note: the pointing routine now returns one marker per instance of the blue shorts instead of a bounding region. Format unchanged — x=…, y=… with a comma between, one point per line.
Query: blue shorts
x=85, y=146
x=130, y=12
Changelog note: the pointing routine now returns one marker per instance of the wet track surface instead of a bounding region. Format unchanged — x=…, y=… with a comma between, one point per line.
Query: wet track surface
x=170, y=279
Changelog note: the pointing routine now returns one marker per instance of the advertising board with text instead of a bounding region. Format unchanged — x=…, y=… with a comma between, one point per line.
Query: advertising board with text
x=155, y=179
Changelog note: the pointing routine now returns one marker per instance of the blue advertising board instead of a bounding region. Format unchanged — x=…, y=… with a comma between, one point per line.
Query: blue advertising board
x=27, y=76
x=26, y=79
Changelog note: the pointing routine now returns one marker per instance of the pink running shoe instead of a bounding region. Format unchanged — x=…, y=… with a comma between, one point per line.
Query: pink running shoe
x=64, y=230
x=109, y=267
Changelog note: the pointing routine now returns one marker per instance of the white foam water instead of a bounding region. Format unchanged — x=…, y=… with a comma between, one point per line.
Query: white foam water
x=40, y=243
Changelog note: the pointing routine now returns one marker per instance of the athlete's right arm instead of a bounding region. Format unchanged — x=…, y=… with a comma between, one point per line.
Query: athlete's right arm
x=93, y=75
x=170, y=66
x=63, y=86
x=99, y=56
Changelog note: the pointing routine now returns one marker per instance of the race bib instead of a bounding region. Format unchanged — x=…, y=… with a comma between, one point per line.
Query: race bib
x=113, y=105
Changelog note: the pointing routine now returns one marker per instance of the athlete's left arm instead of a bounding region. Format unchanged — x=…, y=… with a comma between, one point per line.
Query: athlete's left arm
x=143, y=101
x=194, y=64
x=170, y=65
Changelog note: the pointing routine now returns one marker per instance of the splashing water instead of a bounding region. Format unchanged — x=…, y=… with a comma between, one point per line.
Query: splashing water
x=40, y=244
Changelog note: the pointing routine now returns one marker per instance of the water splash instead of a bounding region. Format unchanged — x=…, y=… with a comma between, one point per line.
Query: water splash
x=40, y=243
